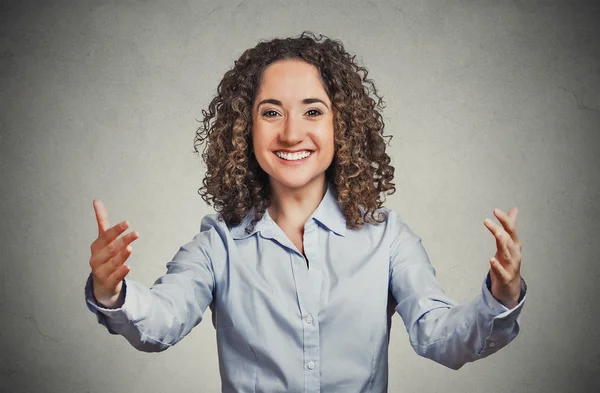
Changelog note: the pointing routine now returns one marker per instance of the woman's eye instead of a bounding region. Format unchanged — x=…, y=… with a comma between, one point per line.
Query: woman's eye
x=310, y=113
x=266, y=113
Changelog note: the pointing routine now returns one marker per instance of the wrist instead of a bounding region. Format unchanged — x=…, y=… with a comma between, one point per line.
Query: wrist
x=508, y=296
x=115, y=301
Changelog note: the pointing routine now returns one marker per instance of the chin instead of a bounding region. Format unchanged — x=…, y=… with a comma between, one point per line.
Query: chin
x=297, y=182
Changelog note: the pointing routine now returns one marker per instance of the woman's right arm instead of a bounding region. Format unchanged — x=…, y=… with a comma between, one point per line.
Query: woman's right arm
x=152, y=319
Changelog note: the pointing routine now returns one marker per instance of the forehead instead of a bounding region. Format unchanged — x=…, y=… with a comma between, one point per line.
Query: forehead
x=291, y=78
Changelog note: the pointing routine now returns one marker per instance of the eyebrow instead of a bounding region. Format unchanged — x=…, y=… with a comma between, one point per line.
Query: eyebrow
x=304, y=101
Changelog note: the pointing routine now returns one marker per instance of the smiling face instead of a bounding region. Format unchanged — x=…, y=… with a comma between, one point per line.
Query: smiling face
x=292, y=133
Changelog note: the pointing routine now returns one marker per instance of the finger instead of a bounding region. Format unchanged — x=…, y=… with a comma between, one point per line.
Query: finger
x=509, y=221
x=504, y=254
x=513, y=213
x=499, y=270
x=110, y=250
x=101, y=216
x=105, y=233
x=115, y=278
x=104, y=271
x=109, y=236
x=515, y=252
x=502, y=237
x=515, y=249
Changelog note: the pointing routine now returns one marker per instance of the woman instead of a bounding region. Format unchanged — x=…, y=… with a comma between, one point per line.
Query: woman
x=302, y=268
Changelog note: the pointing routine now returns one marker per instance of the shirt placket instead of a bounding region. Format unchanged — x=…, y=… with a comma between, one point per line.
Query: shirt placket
x=308, y=286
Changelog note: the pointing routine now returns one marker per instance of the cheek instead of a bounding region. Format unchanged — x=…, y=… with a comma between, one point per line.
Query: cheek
x=256, y=141
x=262, y=136
x=260, y=145
x=329, y=142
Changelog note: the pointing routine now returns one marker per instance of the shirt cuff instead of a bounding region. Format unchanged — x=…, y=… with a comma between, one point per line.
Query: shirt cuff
x=496, y=309
x=106, y=316
x=503, y=323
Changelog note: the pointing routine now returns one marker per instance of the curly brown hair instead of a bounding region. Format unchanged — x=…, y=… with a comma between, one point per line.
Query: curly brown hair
x=361, y=172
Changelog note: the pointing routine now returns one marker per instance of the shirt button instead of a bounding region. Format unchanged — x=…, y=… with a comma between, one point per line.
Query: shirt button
x=311, y=365
x=309, y=319
x=492, y=344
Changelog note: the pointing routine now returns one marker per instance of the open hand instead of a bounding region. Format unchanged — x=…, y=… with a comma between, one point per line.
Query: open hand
x=108, y=258
x=505, y=266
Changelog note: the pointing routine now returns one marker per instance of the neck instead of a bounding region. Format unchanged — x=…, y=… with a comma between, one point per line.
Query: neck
x=295, y=205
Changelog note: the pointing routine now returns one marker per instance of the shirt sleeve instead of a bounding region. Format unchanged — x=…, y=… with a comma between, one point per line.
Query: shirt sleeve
x=439, y=328
x=154, y=319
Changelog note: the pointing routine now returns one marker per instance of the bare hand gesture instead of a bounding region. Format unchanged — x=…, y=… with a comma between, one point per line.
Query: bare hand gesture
x=505, y=266
x=108, y=258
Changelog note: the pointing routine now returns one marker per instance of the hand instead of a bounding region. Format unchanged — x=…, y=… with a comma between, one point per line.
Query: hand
x=108, y=258
x=505, y=266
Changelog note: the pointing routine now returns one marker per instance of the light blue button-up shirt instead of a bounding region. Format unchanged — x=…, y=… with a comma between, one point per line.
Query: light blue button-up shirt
x=289, y=324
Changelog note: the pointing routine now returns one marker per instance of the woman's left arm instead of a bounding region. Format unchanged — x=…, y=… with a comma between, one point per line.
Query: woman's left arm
x=439, y=328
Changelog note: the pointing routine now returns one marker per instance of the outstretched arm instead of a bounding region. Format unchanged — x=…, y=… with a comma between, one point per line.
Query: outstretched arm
x=152, y=319
x=439, y=328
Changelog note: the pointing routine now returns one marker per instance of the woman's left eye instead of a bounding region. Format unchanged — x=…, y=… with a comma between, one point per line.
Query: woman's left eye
x=318, y=112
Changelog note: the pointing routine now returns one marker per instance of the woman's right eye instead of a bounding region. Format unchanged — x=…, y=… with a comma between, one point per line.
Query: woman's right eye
x=266, y=113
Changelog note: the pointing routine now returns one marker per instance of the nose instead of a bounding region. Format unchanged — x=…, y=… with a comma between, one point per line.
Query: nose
x=293, y=131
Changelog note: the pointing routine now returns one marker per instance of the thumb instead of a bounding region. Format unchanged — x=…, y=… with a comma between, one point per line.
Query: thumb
x=101, y=216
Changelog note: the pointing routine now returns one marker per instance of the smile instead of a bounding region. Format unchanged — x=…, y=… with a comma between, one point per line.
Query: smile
x=293, y=156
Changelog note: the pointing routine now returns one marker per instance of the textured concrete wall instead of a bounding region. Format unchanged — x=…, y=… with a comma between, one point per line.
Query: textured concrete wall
x=491, y=104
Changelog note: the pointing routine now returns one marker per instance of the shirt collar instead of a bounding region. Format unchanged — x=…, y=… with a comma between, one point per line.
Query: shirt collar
x=328, y=214
x=239, y=231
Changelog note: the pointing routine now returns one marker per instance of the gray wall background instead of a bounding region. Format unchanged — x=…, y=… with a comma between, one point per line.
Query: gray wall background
x=491, y=104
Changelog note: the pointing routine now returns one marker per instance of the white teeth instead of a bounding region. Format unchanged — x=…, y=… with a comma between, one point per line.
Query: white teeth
x=293, y=156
